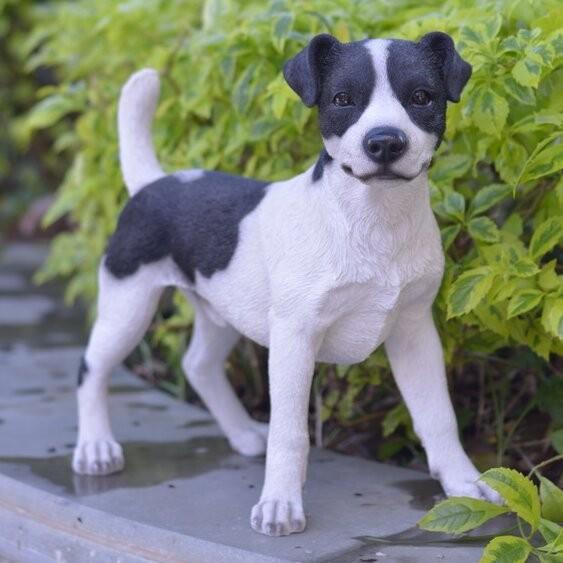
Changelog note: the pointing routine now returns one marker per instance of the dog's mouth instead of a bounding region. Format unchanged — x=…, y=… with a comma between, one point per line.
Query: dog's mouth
x=384, y=174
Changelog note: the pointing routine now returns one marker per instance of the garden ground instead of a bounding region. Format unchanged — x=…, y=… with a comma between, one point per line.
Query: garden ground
x=184, y=494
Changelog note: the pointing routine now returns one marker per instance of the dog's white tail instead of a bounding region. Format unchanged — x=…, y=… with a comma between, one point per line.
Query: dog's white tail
x=137, y=105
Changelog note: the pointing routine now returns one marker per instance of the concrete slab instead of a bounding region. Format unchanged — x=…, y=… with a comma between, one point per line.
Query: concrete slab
x=30, y=315
x=23, y=256
x=24, y=310
x=184, y=495
x=182, y=479
x=12, y=282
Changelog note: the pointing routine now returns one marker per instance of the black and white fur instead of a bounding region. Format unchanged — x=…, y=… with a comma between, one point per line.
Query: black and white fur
x=325, y=266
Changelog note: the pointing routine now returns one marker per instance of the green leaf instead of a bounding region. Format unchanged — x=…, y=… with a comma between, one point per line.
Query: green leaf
x=548, y=278
x=552, y=316
x=527, y=72
x=491, y=26
x=523, y=301
x=242, y=89
x=511, y=160
x=454, y=205
x=471, y=36
x=281, y=28
x=544, y=167
x=549, y=557
x=449, y=234
x=506, y=549
x=550, y=398
x=513, y=225
x=519, y=493
x=555, y=547
x=549, y=530
x=449, y=167
x=492, y=319
x=396, y=417
x=523, y=94
x=546, y=236
x=488, y=196
x=483, y=229
x=541, y=52
x=50, y=110
x=511, y=44
x=211, y=12
x=524, y=268
x=552, y=500
x=459, y=514
x=557, y=441
x=547, y=161
x=489, y=111
x=469, y=290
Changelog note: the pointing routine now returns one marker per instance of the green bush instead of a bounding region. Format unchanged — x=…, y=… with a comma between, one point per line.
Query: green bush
x=24, y=174
x=496, y=183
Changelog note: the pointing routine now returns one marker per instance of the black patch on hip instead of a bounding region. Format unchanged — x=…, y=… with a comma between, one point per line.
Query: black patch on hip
x=195, y=222
x=348, y=68
x=82, y=371
x=323, y=160
x=411, y=66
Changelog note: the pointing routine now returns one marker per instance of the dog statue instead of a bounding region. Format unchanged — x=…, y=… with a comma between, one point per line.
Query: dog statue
x=324, y=266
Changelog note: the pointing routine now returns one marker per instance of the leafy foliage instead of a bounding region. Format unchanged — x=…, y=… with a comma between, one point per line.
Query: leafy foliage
x=496, y=182
x=458, y=515
x=23, y=174
x=519, y=493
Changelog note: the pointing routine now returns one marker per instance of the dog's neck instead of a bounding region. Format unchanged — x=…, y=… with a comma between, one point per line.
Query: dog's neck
x=376, y=227
x=383, y=203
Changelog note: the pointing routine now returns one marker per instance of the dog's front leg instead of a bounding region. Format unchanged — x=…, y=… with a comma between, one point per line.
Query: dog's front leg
x=291, y=364
x=416, y=358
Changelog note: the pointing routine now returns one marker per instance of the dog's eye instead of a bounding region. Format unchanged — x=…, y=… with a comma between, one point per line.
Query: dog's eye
x=421, y=98
x=342, y=99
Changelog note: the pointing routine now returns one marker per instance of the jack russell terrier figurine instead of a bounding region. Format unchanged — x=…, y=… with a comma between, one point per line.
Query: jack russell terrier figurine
x=325, y=266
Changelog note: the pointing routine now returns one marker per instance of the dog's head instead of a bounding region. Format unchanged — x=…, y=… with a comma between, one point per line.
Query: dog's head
x=382, y=103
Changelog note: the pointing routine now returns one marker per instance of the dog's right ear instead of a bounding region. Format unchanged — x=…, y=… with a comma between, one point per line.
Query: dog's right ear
x=303, y=72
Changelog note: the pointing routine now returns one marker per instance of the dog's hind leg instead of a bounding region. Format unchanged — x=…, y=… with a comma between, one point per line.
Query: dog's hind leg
x=204, y=365
x=125, y=309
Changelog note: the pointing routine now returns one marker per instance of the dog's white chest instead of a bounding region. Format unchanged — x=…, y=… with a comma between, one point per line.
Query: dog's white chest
x=364, y=316
x=346, y=283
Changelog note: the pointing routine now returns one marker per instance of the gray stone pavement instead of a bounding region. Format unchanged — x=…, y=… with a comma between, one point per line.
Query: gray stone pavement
x=184, y=495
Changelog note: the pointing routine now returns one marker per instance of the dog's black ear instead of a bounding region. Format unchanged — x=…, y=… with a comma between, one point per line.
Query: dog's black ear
x=456, y=70
x=303, y=72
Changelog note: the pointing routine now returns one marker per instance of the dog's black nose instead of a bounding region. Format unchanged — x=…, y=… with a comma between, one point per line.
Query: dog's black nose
x=385, y=144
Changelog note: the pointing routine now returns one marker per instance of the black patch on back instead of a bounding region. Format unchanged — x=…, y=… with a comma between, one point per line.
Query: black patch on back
x=411, y=66
x=347, y=68
x=82, y=371
x=195, y=222
x=323, y=160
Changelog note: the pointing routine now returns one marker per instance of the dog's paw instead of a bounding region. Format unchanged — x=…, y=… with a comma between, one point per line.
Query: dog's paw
x=98, y=457
x=470, y=487
x=250, y=441
x=278, y=517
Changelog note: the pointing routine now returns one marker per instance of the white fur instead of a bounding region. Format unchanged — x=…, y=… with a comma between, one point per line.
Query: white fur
x=323, y=271
x=137, y=105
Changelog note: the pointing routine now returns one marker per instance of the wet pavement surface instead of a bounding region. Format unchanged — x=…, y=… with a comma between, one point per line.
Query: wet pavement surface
x=184, y=494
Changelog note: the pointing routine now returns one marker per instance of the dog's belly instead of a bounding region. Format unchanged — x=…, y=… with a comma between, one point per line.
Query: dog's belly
x=240, y=294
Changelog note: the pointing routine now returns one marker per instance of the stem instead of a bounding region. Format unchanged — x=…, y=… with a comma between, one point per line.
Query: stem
x=318, y=418
x=544, y=463
x=510, y=434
